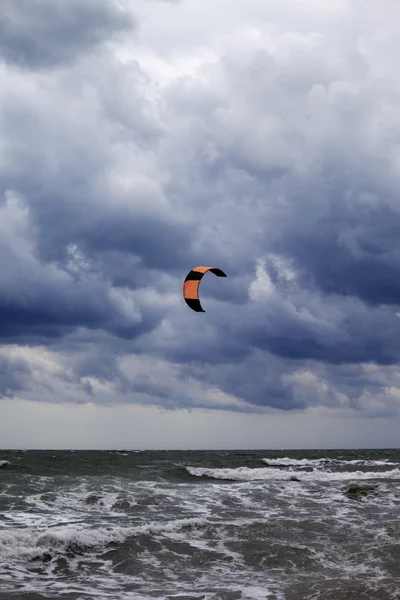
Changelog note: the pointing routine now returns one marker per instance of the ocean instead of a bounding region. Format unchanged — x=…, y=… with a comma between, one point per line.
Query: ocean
x=200, y=525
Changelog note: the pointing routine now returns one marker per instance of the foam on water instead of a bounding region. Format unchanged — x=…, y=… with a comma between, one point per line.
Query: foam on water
x=253, y=474
x=317, y=462
x=225, y=532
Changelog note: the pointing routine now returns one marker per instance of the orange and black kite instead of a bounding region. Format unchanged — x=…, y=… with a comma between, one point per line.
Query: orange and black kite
x=191, y=286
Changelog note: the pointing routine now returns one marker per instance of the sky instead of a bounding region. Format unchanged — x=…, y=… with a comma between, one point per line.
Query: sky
x=141, y=138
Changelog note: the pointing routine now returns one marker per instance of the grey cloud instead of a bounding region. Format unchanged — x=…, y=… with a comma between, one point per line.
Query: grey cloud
x=77, y=218
x=125, y=186
x=328, y=189
x=40, y=33
x=48, y=299
x=12, y=378
x=37, y=376
x=353, y=255
x=331, y=330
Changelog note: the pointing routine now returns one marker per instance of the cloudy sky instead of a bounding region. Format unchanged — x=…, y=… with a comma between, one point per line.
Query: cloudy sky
x=140, y=138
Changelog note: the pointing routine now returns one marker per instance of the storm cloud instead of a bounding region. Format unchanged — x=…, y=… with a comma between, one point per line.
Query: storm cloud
x=141, y=139
x=42, y=34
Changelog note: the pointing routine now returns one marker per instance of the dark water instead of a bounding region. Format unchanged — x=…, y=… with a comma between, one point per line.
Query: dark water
x=231, y=525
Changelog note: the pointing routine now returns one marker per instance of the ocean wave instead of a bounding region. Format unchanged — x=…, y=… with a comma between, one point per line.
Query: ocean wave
x=315, y=462
x=70, y=541
x=247, y=474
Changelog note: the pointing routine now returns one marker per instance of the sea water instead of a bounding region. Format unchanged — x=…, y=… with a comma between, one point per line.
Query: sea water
x=210, y=525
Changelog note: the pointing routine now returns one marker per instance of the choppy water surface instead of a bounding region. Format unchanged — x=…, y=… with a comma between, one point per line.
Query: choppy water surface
x=231, y=525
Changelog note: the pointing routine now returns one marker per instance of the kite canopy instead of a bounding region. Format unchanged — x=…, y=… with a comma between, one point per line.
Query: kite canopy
x=191, y=286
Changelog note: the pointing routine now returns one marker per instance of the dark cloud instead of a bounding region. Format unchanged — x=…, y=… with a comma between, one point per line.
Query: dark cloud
x=340, y=228
x=35, y=374
x=276, y=164
x=45, y=298
x=40, y=33
x=12, y=377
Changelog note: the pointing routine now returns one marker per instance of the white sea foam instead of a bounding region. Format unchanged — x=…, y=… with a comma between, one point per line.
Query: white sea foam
x=316, y=462
x=18, y=543
x=254, y=592
x=248, y=538
x=247, y=474
x=83, y=499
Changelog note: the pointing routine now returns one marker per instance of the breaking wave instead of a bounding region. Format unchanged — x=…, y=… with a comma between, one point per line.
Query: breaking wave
x=317, y=462
x=248, y=474
x=72, y=541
